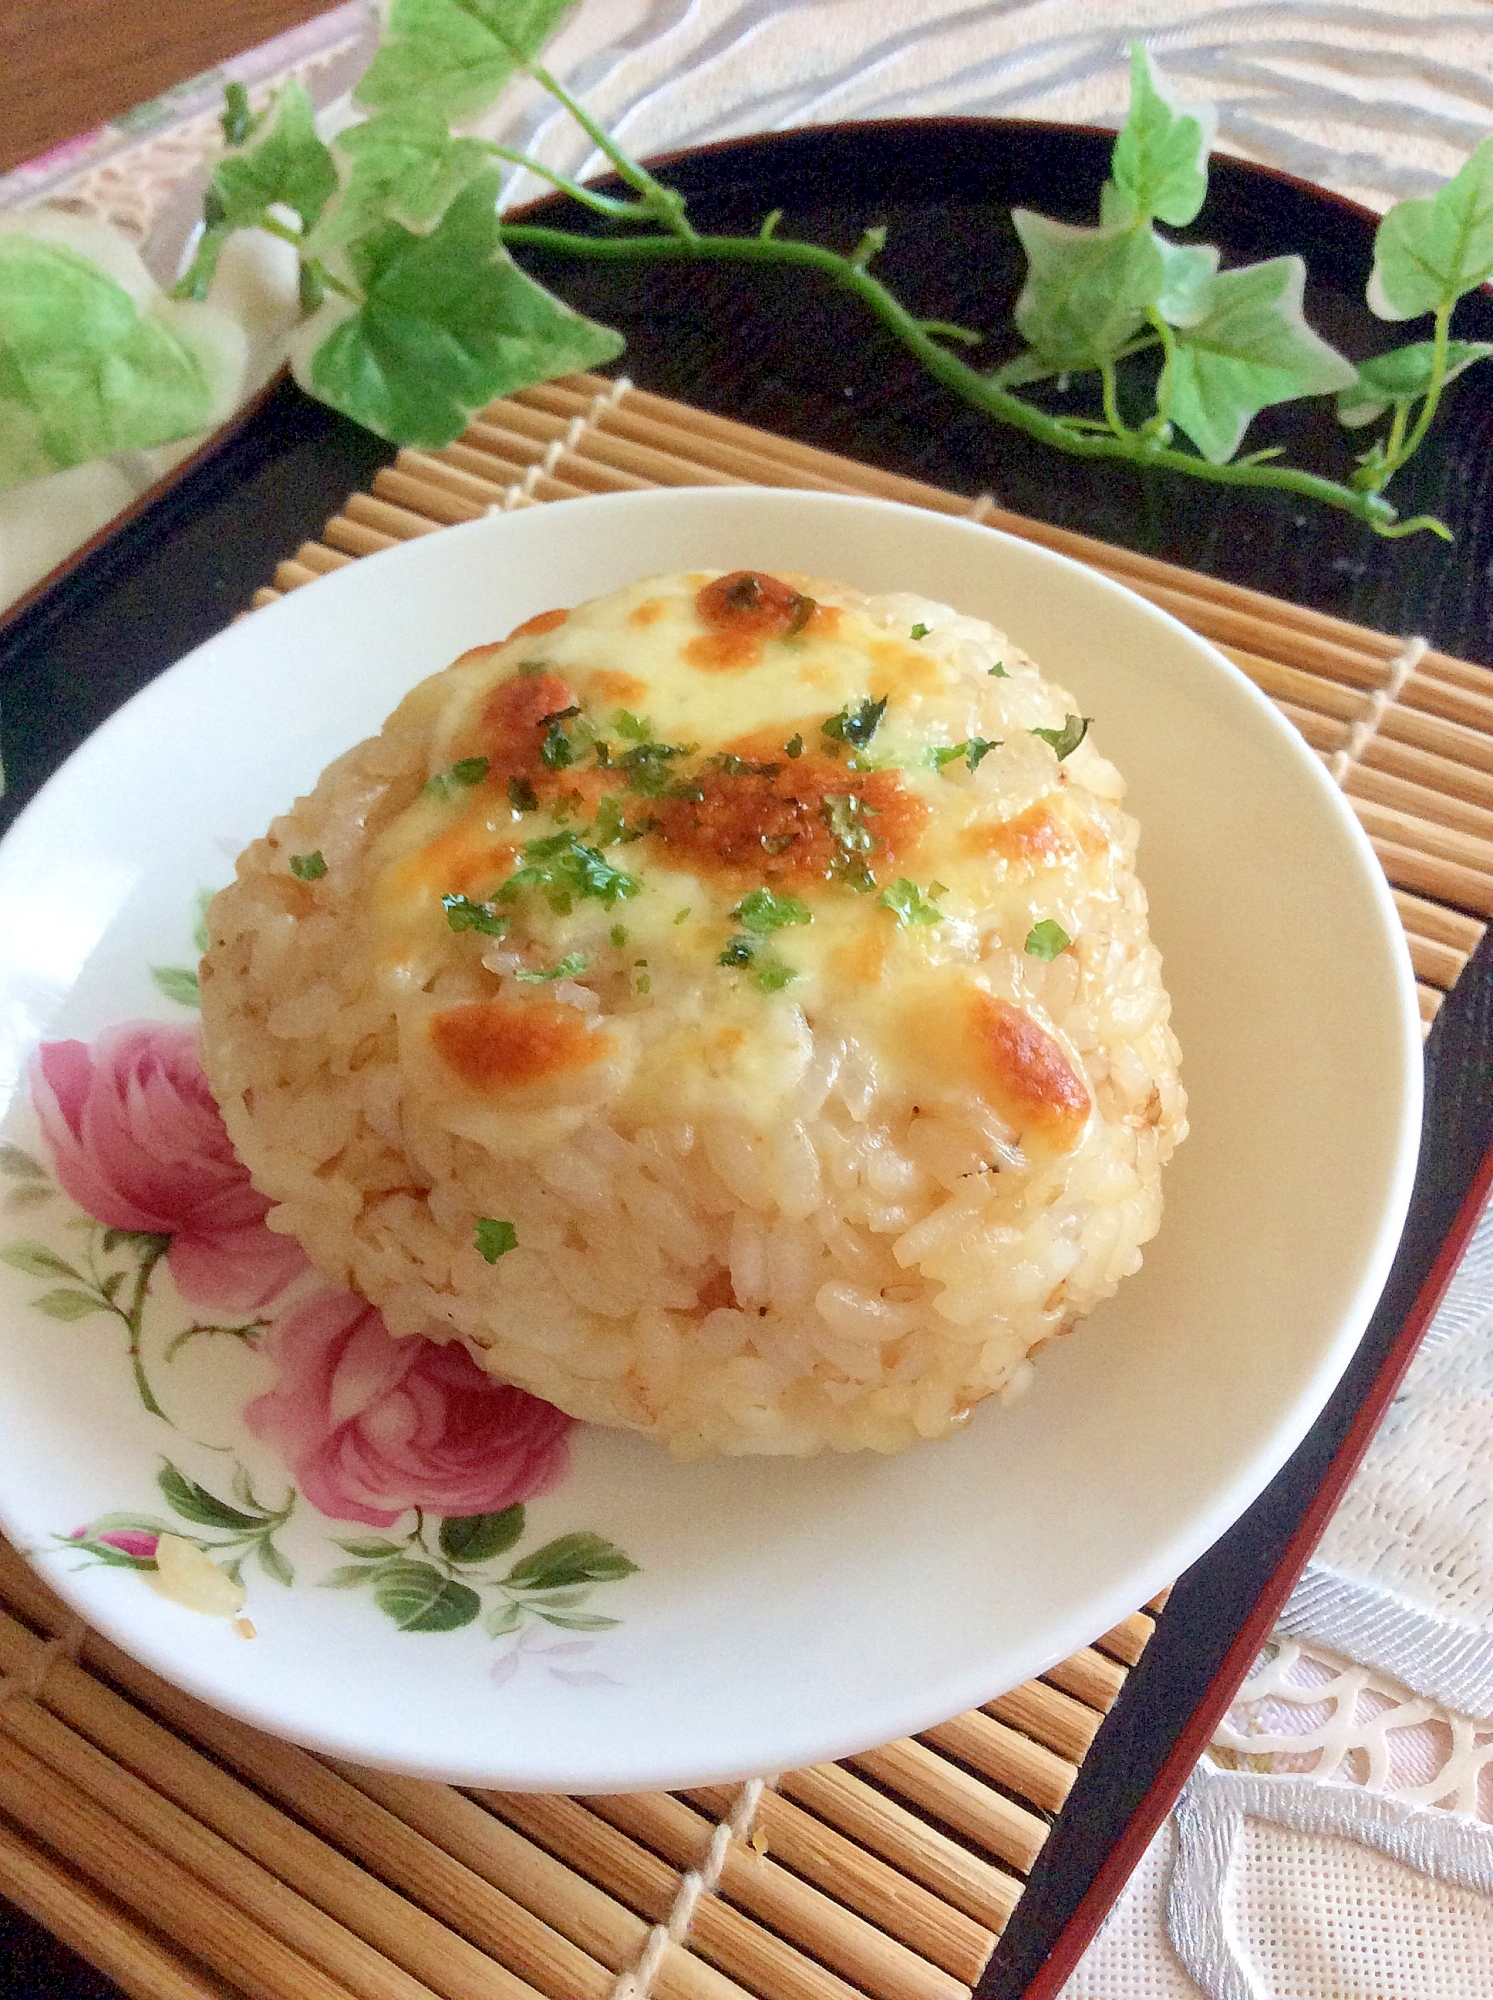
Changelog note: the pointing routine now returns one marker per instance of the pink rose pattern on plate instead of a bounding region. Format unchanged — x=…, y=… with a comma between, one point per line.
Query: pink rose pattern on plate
x=372, y=1429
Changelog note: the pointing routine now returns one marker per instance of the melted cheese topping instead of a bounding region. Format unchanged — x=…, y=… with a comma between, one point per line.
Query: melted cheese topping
x=683, y=802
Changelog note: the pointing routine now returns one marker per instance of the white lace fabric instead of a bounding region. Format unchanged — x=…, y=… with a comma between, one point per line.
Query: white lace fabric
x=1338, y=1843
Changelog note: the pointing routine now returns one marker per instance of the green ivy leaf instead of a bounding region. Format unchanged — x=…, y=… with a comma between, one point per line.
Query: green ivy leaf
x=475, y=1538
x=85, y=373
x=371, y=1547
x=1401, y=376
x=1027, y=366
x=1160, y=161
x=453, y=58
x=17, y=1164
x=1428, y=252
x=570, y=1559
x=1086, y=290
x=179, y=983
x=419, y=1599
x=281, y=162
x=37, y=1261
x=448, y=322
x=504, y=1618
x=348, y=1576
x=1251, y=347
x=1188, y=270
x=67, y=1305
x=407, y=167
x=579, y=1621
x=195, y=1503
x=273, y=1563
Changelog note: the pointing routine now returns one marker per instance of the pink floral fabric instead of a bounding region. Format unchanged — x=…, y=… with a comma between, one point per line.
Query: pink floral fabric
x=138, y=1143
x=371, y=1425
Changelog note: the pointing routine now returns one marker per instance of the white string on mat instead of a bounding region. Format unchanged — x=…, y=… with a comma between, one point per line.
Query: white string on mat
x=1404, y=664
x=28, y=1686
x=521, y=492
x=635, y=1982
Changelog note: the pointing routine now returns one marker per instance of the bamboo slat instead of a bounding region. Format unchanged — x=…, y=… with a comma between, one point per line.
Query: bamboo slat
x=880, y=1966
x=219, y=1801
x=98, y=1930
x=1090, y=1678
x=193, y=1858
x=920, y=1852
x=902, y=1907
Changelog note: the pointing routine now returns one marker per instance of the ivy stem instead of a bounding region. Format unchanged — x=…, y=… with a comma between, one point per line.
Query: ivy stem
x=1164, y=380
x=1433, y=391
x=1111, y=407
x=659, y=201
x=947, y=367
x=604, y=204
x=273, y=226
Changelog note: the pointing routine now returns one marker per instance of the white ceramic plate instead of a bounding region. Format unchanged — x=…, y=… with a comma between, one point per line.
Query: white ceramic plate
x=779, y=1612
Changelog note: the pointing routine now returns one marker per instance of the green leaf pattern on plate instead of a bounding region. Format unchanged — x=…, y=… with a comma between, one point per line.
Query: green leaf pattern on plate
x=441, y=1574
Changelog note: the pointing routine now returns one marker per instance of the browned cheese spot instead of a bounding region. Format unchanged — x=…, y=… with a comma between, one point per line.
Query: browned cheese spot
x=610, y=685
x=742, y=611
x=538, y=625
x=1028, y=1075
x=495, y=1046
x=1031, y=840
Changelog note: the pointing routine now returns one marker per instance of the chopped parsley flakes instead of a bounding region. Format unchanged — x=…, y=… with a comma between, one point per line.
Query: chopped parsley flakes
x=619, y=935
x=557, y=752
x=308, y=867
x=1067, y=739
x=448, y=784
x=462, y=914
x=562, y=868
x=732, y=766
x=494, y=1238
x=856, y=726
x=637, y=729
x=794, y=747
x=845, y=814
x=998, y=671
x=908, y=904
x=974, y=750
x=763, y=911
x=803, y=611
x=920, y=630
x=573, y=962
x=647, y=768
x=522, y=795
x=1047, y=939
x=770, y=972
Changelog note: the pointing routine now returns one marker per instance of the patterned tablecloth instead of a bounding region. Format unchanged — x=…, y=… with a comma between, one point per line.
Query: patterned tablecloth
x=1338, y=1842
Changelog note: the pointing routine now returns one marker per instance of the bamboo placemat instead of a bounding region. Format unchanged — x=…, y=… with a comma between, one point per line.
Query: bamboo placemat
x=192, y=1858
